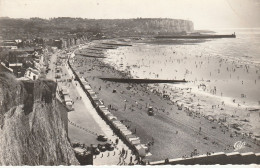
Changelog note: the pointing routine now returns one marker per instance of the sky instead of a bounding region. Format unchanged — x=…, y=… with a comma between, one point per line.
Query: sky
x=204, y=13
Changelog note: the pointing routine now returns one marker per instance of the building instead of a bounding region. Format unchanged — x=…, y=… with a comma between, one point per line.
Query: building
x=32, y=74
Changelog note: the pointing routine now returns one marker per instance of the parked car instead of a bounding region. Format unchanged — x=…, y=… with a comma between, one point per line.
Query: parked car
x=109, y=146
x=95, y=150
x=102, y=148
x=102, y=138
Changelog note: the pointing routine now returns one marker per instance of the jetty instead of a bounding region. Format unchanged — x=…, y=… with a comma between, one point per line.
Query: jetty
x=117, y=44
x=87, y=55
x=204, y=36
x=128, y=80
x=105, y=47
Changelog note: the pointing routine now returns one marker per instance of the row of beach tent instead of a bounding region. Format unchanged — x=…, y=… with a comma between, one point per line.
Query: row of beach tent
x=132, y=139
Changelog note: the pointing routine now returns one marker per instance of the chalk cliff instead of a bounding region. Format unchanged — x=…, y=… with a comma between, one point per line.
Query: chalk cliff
x=32, y=126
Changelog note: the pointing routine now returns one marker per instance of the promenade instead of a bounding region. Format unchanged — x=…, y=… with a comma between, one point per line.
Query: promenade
x=85, y=123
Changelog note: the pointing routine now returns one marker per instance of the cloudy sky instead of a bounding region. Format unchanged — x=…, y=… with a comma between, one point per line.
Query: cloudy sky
x=204, y=13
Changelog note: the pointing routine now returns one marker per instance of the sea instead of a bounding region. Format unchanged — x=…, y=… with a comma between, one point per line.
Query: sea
x=223, y=74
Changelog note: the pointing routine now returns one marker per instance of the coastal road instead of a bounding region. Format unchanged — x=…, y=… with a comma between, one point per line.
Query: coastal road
x=85, y=123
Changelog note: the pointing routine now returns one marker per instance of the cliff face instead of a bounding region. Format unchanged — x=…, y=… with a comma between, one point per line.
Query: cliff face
x=164, y=25
x=32, y=127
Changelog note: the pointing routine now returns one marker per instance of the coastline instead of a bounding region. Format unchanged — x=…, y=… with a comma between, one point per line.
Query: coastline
x=167, y=124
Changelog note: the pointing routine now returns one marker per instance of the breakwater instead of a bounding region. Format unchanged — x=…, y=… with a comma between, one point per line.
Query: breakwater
x=126, y=80
x=196, y=36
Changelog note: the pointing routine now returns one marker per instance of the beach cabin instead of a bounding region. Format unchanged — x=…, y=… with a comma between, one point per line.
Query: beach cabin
x=99, y=102
x=94, y=97
x=141, y=149
x=91, y=92
x=87, y=87
x=119, y=125
x=106, y=112
x=111, y=117
x=82, y=79
x=69, y=105
x=67, y=98
x=65, y=92
x=126, y=132
x=132, y=139
x=102, y=107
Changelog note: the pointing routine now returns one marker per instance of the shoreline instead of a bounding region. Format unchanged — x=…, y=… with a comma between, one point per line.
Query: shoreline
x=198, y=94
x=136, y=119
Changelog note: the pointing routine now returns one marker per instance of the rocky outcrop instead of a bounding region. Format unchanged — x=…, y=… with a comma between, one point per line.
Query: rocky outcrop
x=32, y=126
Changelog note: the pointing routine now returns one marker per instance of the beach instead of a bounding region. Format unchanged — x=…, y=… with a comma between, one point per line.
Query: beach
x=171, y=132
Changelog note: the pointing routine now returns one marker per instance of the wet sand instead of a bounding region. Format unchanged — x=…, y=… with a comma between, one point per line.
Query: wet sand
x=175, y=133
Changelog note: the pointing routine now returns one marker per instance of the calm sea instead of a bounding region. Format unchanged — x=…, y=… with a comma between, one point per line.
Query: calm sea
x=231, y=66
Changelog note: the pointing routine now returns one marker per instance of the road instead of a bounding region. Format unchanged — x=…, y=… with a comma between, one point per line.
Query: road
x=84, y=122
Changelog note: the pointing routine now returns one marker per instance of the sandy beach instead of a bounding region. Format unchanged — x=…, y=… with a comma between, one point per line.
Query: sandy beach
x=171, y=133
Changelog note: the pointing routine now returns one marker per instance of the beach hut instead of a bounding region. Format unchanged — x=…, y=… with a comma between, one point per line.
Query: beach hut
x=69, y=105
x=122, y=128
x=87, y=87
x=90, y=91
x=67, y=98
x=82, y=79
x=141, y=149
x=126, y=132
x=64, y=88
x=102, y=107
x=111, y=118
x=94, y=97
x=65, y=92
x=135, y=142
x=84, y=83
x=132, y=139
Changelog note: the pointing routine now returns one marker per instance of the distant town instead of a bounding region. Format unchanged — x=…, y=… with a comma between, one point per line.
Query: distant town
x=25, y=43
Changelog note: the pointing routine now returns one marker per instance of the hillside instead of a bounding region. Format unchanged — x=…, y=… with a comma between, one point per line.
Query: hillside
x=32, y=128
x=58, y=27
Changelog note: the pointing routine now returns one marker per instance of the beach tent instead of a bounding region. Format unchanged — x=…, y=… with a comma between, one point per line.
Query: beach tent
x=141, y=149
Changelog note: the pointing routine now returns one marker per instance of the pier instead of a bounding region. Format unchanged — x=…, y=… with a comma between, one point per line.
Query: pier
x=197, y=36
x=116, y=44
x=127, y=80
